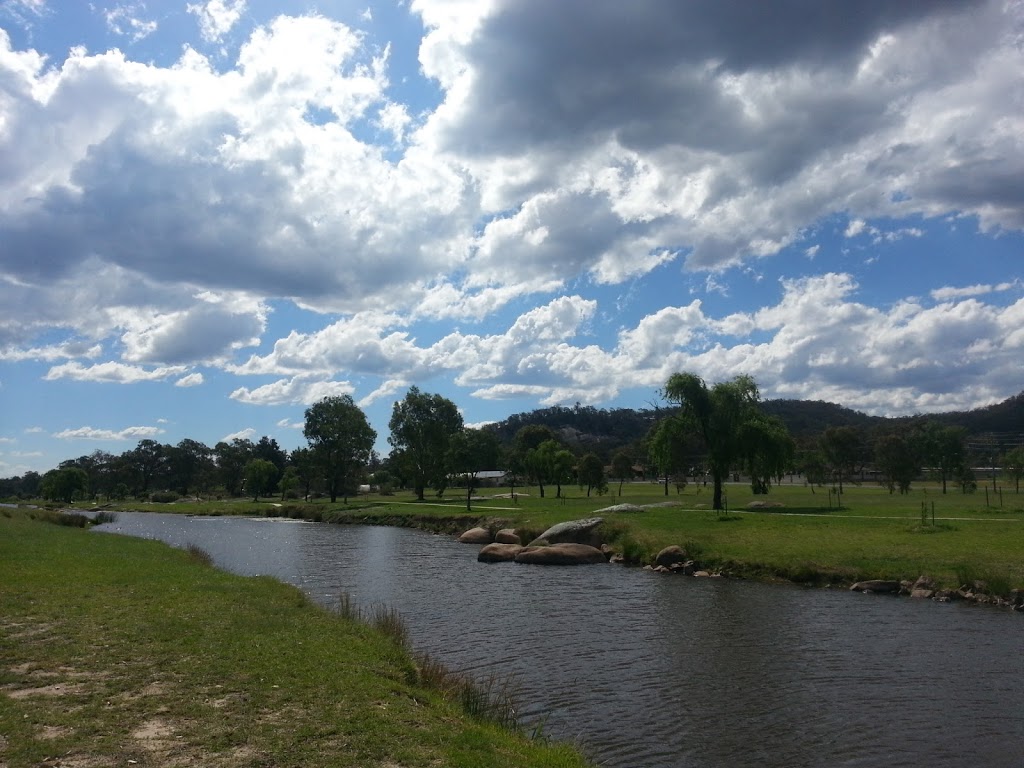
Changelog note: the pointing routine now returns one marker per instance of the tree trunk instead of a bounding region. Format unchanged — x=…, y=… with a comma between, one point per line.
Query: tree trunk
x=716, y=502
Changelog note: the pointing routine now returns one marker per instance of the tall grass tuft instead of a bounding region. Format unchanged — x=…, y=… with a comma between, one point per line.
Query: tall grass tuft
x=199, y=555
x=389, y=622
x=491, y=701
x=104, y=517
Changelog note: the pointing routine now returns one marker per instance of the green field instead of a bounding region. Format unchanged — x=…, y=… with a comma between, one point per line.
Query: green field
x=118, y=651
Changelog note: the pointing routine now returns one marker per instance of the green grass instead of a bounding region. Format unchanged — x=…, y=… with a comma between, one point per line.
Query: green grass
x=117, y=651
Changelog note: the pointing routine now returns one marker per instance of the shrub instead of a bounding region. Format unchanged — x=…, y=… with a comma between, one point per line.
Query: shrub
x=198, y=554
x=163, y=497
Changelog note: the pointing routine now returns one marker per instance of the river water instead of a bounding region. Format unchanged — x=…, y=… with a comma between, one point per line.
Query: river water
x=643, y=669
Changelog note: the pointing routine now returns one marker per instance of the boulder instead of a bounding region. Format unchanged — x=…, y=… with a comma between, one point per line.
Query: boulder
x=507, y=536
x=476, y=536
x=670, y=556
x=573, y=532
x=924, y=594
x=561, y=554
x=499, y=553
x=877, y=586
x=924, y=582
x=621, y=508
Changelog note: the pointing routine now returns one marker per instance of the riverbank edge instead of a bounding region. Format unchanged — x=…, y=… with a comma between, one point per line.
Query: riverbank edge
x=626, y=551
x=423, y=676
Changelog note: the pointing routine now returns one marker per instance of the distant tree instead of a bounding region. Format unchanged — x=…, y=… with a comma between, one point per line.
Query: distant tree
x=842, y=448
x=30, y=484
x=898, y=462
x=814, y=468
x=591, y=474
x=260, y=477
x=422, y=426
x=148, y=464
x=268, y=450
x=341, y=440
x=1013, y=466
x=768, y=450
x=302, y=461
x=65, y=485
x=526, y=443
x=944, y=449
x=190, y=464
x=288, y=482
x=470, y=452
x=552, y=462
x=231, y=459
x=622, y=468
x=721, y=415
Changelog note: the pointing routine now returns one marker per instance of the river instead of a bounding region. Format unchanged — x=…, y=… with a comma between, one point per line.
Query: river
x=643, y=669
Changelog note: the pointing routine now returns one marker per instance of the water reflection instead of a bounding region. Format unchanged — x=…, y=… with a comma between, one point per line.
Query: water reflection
x=666, y=671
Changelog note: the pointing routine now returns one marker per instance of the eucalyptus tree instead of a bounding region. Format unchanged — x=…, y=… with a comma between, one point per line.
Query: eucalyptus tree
x=422, y=426
x=944, y=449
x=898, y=461
x=341, y=440
x=470, y=452
x=843, y=450
x=724, y=416
x=1013, y=466
x=591, y=474
x=622, y=467
x=525, y=446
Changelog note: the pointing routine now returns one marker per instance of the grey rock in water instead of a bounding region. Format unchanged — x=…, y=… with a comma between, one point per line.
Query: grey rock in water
x=476, y=536
x=573, y=532
x=561, y=554
x=878, y=586
x=499, y=553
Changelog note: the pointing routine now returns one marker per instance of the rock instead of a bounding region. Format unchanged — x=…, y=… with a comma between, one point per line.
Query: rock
x=507, y=536
x=670, y=556
x=687, y=569
x=702, y=574
x=620, y=508
x=573, y=532
x=924, y=594
x=924, y=582
x=476, y=536
x=499, y=553
x=662, y=569
x=561, y=554
x=878, y=586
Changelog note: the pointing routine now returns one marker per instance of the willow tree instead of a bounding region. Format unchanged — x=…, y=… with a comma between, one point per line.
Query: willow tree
x=727, y=416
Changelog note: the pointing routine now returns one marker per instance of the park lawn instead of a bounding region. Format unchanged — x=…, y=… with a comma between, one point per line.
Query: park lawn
x=121, y=651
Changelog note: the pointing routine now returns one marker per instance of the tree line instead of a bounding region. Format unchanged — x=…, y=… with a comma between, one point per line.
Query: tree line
x=705, y=433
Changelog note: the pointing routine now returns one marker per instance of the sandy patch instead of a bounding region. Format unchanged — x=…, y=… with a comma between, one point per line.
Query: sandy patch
x=57, y=689
x=54, y=732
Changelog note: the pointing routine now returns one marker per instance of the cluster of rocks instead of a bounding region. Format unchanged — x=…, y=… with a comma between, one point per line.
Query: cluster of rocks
x=925, y=589
x=674, y=559
x=576, y=542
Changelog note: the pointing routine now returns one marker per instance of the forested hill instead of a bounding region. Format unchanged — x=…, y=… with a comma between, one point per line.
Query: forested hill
x=604, y=431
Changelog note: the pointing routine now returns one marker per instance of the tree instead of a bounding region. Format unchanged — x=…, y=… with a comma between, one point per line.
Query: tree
x=897, y=461
x=422, y=426
x=189, y=464
x=944, y=450
x=769, y=450
x=65, y=484
x=591, y=473
x=842, y=448
x=231, y=460
x=341, y=440
x=301, y=460
x=268, y=450
x=553, y=462
x=147, y=461
x=470, y=452
x=260, y=477
x=720, y=415
x=1013, y=466
x=622, y=467
x=525, y=444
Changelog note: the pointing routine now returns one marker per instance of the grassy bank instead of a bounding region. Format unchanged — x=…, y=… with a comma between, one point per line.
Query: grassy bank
x=122, y=651
x=813, y=536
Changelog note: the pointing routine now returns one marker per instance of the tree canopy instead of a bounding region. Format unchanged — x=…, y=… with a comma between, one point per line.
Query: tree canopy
x=422, y=426
x=341, y=440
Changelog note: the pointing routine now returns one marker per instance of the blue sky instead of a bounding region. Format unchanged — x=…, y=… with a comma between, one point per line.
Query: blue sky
x=214, y=213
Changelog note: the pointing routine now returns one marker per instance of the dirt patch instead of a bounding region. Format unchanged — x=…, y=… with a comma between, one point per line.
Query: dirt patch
x=57, y=689
x=54, y=732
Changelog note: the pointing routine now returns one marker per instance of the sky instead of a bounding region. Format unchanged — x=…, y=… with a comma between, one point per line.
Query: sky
x=215, y=213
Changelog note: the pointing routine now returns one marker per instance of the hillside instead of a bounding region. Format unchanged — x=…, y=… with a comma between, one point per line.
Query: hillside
x=606, y=430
